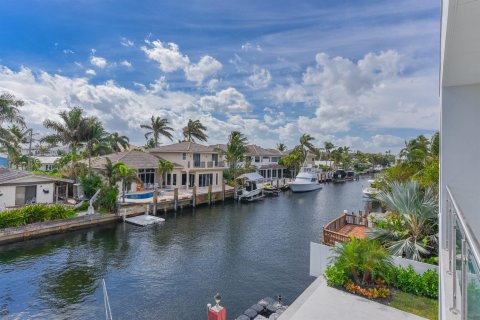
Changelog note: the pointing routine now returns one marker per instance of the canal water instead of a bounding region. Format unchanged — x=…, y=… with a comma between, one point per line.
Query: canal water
x=171, y=271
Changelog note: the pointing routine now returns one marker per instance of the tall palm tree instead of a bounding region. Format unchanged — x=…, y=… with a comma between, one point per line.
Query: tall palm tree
x=417, y=216
x=328, y=146
x=111, y=171
x=306, y=144
x=157, y=127
x=127, y=175
x=281, y=146
x=164, y=166
x=9, y=109
x=117, y=142
x=236, y=149
x=194, y=130
x=93, y=134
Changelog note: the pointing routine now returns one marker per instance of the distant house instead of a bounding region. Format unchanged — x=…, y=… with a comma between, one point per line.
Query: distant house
x=264, y=159
x=18, y=188
x=145, y=163
x=199, y=165
x=4, y=160
x=46, y=162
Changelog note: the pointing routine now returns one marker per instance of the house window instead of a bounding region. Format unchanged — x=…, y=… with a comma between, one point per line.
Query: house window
x=274, y=159
x=25, y=195
x=266, y=159
x=146, y=175
x=184, y=179
x=184, y=156
x=257, y=159
x=274, y=173
x=169, y=179
x=248, y=158
x=216, y=178
x=48, y=167
x=174, y=183
x=205, y=179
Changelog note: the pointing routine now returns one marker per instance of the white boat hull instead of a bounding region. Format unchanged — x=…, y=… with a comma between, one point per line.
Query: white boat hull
x=304, y=187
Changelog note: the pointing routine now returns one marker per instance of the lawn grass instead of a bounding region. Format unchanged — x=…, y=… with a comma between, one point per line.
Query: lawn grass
x=421, y=306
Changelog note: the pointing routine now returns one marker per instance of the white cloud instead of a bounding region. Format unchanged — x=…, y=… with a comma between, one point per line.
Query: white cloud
x=90, y=72
x=248, y=47
x=98, y=61
x=212, y=85
x=206, y=67
x=167, y=55
x=259, y=79
x=226, y=101
x=68, y=51
x=126, y=63
x=126, y=42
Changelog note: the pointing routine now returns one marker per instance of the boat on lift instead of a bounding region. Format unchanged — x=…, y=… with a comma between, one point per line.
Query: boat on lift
x=339, y=175
x=370, y=192
x=306, y=180
x=252, y=187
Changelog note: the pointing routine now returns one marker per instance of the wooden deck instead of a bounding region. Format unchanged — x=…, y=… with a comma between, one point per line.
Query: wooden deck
x=351, y=230
x=344, y=227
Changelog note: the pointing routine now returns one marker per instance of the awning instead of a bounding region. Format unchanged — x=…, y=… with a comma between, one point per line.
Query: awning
x=251, y=176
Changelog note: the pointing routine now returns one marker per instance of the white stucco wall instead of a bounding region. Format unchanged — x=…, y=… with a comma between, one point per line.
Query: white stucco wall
x=7, y=199
x=460, y=149
x=43, y=197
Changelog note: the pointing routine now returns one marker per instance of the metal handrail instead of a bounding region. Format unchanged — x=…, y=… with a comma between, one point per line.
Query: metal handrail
x=469, y=235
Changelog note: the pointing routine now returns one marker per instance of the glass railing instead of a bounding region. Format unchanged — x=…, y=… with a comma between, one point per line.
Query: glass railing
x=464, y=262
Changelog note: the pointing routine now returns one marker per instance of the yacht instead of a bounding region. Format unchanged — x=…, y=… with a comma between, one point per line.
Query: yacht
x=370, y=192
x=306, y=180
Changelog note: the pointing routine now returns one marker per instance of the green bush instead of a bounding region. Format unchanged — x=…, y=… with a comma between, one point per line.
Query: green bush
x=91, y=183
x=335, y=276
x=107, y=198
x=33, y=213
x=407, y=280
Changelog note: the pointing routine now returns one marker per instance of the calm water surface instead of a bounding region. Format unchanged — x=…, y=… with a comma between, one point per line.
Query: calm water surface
x=171, y=271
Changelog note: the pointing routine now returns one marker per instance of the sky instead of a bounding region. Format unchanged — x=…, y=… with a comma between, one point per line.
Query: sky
x=362, y=74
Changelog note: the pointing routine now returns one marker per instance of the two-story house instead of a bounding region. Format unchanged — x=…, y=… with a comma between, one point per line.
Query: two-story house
x=200, y=165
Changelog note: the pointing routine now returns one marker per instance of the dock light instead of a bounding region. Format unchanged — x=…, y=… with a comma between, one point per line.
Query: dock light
x=217, y=298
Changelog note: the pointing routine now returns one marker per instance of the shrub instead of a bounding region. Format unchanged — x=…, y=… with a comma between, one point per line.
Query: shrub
x=335, y=276
x=90, y=183
x=407, y=280
x=107, y=198
x=371, y=293
x=33, y=213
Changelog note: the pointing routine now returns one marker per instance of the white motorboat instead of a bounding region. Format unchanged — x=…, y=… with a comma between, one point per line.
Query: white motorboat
x=306, y=180
x=369, y=191
x=252, y=187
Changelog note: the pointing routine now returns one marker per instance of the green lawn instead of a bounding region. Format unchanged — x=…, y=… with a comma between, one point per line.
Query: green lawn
x=421, y=306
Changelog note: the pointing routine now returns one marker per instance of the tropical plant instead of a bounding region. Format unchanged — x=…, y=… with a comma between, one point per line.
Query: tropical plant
x=157, y=127
x=9, y=109
x=306, y=144
x=362, y=260
x=328, y=146
x=281, y=146
x=110, y=171
x=127, y=176
x=33, y=213
x=117, y=142
x=107, y=198
x=93, y=134
x=235, y=151
x=194, y=130
x=293, y=160
x=417, y=212
x=164, y=166
x=90, y=184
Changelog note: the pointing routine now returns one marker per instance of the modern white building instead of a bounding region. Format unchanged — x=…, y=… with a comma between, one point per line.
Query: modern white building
x=460, y=151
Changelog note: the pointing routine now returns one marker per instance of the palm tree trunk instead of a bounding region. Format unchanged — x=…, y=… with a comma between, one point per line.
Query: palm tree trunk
x=366, y=275
x=355, y=275
x=123, y=191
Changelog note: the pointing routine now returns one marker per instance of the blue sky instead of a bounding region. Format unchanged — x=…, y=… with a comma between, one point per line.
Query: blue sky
x=358, y=73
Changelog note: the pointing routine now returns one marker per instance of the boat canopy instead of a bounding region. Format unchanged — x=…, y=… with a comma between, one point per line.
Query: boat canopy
x=253, y=176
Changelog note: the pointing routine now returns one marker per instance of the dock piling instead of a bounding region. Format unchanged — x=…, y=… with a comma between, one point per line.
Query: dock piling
x=175, y=199
x=194, y=196
x=209, y=194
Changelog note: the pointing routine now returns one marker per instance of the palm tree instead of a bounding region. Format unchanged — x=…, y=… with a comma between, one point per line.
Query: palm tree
x=111, y=171
x=413, y=230
x=328, y=146
x=157, y=127
x=9, y=109
x=194, y=129
x=164, y=166
x=281, y=147
x=362, y=259
x=127, y=175
x=306, y=144
x=117, y=142
x=93, y=134
x=236, y=149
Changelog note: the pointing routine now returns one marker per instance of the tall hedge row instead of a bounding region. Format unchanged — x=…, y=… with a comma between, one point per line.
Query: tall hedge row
x=33, y=213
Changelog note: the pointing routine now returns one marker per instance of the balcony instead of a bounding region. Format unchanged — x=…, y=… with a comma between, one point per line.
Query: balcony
x=207, y=164
x=461, y=260
x=346, y=226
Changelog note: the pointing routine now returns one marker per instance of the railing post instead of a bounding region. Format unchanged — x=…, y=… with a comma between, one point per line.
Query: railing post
x=454, y=309
x=463, y=304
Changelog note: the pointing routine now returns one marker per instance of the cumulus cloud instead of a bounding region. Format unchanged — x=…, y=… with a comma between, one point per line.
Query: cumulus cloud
x=226, y=101
x=248, y=47
x=99, y=62
x=259, y=79
x=170, y=59
x=90, y=72
x=126, y=63
x=206, y=67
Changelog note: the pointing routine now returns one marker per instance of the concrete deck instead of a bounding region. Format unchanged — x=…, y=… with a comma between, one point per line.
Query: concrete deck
x=320, y=301
x=144, y=220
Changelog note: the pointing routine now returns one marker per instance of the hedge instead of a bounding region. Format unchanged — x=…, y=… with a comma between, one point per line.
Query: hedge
x=33, y=213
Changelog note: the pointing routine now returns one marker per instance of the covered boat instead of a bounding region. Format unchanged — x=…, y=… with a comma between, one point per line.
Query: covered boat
x=252, y=187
